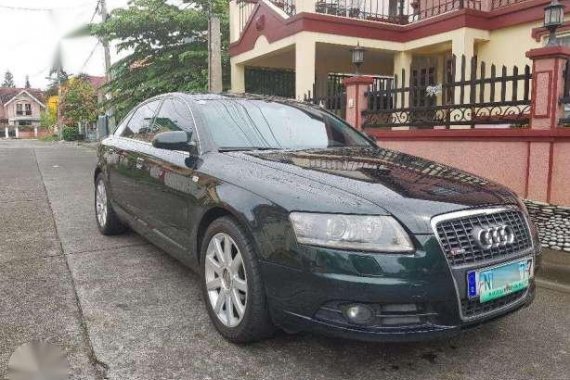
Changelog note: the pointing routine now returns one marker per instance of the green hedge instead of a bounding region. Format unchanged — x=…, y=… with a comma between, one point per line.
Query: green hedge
x=70, y=133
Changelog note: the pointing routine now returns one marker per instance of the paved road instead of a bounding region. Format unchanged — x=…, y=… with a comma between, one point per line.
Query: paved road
x=125, y=310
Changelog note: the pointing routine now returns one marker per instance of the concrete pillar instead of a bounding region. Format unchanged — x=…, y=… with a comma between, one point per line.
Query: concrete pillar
x=214, y=56
x=235, y=27
x=321, y=81
x=305, y=54
x=356, y=102
x=548, y=64
x=462, y=44
x=35, y=131
x=238, y=78
x=403, y=61
x=17, y=133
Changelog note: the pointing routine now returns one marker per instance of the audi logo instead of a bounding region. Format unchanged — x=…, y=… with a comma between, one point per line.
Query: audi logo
x=493, y=236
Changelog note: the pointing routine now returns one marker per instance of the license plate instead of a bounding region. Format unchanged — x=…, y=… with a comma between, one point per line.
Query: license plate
x=496, y=282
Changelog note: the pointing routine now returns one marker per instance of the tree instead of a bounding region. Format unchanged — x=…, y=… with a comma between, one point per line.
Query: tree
x=48, y=119
x=28, y=85
x=79, y=102
x=168, y=44
x=8, y=79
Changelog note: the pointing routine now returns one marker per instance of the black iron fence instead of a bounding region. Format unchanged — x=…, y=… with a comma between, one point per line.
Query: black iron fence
x=271, y=82
x=333, y=99
x=288, y=6
x=464, y=93
x=332, y=94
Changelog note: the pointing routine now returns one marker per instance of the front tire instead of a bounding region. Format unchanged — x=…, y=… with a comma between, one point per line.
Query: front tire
x=232, y=285
x=107, y=220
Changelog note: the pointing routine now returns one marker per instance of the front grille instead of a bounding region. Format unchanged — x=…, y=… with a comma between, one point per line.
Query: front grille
x=460, y=247
x=472, y=307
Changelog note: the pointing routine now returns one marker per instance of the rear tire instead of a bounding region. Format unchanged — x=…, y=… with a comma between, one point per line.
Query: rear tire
x=107, y=220
x=231, y=277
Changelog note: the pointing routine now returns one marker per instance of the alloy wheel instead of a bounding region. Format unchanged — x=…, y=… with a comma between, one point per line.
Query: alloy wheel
x=226, y=280
x=101, y=203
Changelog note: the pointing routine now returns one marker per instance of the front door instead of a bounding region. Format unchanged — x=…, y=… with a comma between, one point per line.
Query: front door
x=126, y=171
x=169, y=183
x=424, y=74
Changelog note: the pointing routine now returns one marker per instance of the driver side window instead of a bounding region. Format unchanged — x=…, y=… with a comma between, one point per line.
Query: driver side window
x=141, y=125
x=174, y=115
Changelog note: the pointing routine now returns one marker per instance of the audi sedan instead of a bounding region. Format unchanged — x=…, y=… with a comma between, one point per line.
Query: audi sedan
x=295, y=220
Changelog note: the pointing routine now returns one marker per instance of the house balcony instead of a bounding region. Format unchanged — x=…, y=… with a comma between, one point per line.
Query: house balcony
x=399, y=12
x=305, y=43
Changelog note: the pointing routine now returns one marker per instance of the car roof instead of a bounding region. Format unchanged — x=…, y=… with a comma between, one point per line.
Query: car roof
x=194, y=97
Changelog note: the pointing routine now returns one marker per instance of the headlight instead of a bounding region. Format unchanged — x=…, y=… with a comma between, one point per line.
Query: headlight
x=358, y=232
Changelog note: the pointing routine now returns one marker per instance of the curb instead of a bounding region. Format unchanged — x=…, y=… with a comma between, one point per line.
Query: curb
x=554, y=273
x=551, y=285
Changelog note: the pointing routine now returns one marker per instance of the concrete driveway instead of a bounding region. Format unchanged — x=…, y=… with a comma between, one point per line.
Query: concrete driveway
x=125, y=310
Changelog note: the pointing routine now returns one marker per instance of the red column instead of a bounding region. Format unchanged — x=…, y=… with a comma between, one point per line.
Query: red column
x=356, y=88
x=548, y=64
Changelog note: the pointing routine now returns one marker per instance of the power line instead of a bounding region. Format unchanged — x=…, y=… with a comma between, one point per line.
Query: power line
x=90, y=56
x=31, y=9
x=95, y=11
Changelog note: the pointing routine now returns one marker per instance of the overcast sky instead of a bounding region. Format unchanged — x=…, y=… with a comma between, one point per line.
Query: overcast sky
x=28, y=38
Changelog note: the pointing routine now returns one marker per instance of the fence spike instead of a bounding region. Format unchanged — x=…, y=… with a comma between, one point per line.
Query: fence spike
x=527, y=78
x=482, y=83
x=492, y=83
x=515, y=83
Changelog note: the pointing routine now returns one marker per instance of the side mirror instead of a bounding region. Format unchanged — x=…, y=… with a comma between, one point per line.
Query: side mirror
x=174, y=140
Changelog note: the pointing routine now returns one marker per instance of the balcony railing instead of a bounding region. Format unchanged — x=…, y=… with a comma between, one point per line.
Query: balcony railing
x=503, y=3
x=394, y=11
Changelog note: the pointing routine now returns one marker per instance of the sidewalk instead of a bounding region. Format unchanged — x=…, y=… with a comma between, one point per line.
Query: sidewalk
x=555, y=270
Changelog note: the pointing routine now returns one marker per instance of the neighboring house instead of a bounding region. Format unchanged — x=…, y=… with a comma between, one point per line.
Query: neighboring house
x=21, y=106
x=97, y=83
x=278, y=43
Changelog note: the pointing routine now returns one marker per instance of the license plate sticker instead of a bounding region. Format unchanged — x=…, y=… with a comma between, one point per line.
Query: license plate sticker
x=492, y=283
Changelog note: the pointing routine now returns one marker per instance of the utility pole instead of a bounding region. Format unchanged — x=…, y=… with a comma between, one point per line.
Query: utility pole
x=57, y=69
x=214, y=54
x=104, y=42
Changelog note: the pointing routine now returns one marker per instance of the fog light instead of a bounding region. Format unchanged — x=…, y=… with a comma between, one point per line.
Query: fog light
x=359, y=314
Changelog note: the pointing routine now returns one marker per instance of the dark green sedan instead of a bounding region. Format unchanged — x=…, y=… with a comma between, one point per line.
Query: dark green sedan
x=295, y=220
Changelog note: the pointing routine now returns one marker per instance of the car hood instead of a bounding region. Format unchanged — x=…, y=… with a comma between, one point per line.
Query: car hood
x=369, y=181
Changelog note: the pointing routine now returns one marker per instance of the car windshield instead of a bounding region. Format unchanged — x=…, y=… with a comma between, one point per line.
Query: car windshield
x=244, y=124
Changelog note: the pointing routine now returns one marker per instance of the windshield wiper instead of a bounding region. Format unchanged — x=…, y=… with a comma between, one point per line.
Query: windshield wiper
x=245, y=148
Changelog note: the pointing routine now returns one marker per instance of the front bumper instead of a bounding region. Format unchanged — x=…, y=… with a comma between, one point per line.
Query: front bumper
x=423, y=285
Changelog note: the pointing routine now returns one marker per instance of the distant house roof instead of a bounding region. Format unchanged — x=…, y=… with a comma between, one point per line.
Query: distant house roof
x=96, y=82
x=8, y=93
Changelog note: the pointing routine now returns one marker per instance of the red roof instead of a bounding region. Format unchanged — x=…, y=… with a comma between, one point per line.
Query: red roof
x=7, y=93
x=96, y=82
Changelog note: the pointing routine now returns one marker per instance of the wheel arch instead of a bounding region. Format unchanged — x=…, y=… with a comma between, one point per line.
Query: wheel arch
x=214, y=213
x=98, y=171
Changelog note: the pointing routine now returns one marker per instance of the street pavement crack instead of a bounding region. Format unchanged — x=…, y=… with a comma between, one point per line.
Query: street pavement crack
x=99, y=366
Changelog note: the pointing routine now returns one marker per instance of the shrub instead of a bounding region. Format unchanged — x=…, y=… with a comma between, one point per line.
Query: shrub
x=70, y=133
